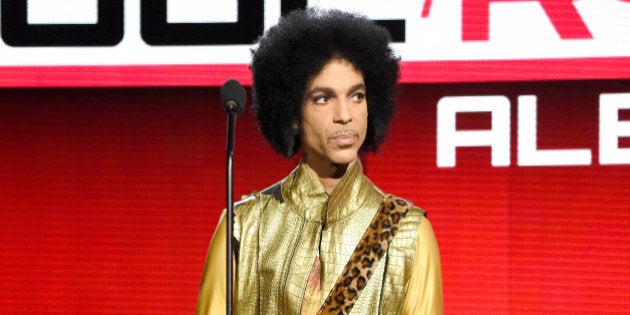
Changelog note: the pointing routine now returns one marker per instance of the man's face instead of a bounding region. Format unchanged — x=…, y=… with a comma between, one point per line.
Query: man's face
x=334, y=115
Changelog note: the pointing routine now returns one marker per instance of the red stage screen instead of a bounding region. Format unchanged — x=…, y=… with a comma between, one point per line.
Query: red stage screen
x=87, y=43
x=109, y=197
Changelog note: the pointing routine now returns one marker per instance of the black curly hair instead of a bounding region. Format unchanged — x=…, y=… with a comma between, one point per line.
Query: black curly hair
x=294, y=51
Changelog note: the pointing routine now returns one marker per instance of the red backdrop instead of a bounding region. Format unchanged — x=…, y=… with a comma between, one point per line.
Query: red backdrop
x=109, y=198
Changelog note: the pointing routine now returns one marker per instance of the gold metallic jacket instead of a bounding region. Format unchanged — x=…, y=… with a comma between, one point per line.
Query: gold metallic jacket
x=281, y=230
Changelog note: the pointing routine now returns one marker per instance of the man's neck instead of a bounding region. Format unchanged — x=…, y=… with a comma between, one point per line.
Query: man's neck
x=329, y=174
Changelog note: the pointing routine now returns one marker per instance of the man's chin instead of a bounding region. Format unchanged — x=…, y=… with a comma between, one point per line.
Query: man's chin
x=344, y=159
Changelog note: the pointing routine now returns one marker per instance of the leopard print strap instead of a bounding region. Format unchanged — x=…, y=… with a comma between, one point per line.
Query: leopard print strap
x=369, y=251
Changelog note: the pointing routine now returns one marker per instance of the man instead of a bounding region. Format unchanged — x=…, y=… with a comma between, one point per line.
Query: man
x=325, y=238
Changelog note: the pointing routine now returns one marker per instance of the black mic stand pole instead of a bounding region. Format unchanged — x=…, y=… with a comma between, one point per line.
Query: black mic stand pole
x=233, y=97
x=230, y=208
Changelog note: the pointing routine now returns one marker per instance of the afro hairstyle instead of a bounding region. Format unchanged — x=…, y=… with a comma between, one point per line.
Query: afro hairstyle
x=294, y=51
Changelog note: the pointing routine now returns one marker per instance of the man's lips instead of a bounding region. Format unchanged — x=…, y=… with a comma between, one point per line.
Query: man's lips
x=344, y=138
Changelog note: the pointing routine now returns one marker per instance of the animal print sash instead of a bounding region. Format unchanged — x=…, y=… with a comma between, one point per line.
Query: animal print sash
x=369, y=251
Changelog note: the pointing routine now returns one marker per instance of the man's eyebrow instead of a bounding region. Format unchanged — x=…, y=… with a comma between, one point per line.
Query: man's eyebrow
x=330, y=91
x=316, y=89
x=359, y=86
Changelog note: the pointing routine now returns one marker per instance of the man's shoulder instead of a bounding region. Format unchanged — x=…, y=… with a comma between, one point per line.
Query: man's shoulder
x=416, y=211
x=258, y=199
x=379, y=195
x=413, y=211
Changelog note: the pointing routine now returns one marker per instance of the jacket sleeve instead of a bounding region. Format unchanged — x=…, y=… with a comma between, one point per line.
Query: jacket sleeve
x=212, y=297
x=424, y=290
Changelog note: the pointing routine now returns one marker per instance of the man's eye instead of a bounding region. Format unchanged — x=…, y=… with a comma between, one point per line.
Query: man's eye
x=321, y=99
x=358, y=97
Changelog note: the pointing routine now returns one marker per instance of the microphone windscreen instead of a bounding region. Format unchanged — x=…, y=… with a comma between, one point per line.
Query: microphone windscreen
x=233, y=91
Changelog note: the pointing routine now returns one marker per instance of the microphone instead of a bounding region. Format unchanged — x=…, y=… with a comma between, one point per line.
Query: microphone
x=233, y=97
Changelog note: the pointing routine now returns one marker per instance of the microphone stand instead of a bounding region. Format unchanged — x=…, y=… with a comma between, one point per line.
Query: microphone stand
x=233, y=97
x=230, y=208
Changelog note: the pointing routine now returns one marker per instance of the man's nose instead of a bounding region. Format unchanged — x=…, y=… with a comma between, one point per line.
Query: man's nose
x=343, y=113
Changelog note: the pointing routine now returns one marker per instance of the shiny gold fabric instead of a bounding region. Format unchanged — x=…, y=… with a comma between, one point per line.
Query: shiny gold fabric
x=281, y=231
x=311, y=302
